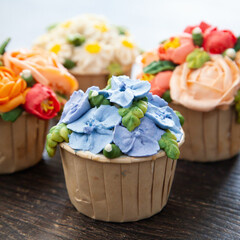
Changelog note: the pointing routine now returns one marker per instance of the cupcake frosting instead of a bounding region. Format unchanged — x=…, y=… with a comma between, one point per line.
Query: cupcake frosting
x=123, y=116
x=198, y=69
x=116, y=45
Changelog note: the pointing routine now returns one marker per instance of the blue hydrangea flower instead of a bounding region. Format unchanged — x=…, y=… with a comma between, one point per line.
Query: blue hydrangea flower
x=156, y=100
x=141, y=142
x=76, y=106
x=165, y=118
x=124, y=90
x=94, y=130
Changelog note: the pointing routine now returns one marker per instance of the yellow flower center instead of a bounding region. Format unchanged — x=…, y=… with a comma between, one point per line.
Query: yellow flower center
x=127, y=44
x=66, y=24
x=147, y=77
x=101, y=27
x=47, y=105
x=172, y=43
x=55, y=48
x=93, y=48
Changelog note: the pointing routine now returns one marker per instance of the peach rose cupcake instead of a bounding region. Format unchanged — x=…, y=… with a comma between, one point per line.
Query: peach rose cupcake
x=27, y=103
x=199, y=74
x=91, y=48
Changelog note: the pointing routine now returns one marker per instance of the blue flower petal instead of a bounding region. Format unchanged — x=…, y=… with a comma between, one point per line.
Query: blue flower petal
x=79, y=141
x=162, y=117
x=108, y=116
x=143, y=147
x=123, y=138
x=83, y=122
x=140, y=88
x=156, y=100
x=124, y=98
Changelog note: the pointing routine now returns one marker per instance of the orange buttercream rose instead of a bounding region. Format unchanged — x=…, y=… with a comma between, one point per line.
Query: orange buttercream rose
x=44, y=67
x=148, y=57
x=213, y=85
x=176, y=49
x=13, y=90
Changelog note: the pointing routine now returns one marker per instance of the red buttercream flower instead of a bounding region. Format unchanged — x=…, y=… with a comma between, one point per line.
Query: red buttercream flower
x=42, y=102
x=160, y=83
x=203, y=26
x=217, y=41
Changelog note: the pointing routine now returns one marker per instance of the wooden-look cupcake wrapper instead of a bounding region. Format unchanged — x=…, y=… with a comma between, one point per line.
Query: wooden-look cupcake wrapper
x=117, y=191
x=88, y=80
x=21, y=143
x=210, y=136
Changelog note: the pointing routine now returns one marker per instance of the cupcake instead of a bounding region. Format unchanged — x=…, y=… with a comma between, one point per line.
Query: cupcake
x=91, y=48
x=119, y=149
x=25, y=109
x=198, y=72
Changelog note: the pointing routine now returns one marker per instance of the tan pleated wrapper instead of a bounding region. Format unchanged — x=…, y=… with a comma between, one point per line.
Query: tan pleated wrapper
x=210, y=136
x=21, y=143
x=88, y=80
x=123, y=189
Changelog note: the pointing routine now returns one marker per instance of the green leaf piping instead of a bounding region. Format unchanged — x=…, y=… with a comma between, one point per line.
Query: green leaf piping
x=159, y=66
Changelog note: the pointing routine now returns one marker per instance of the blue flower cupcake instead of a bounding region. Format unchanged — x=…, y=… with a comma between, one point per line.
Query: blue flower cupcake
x=119, y=147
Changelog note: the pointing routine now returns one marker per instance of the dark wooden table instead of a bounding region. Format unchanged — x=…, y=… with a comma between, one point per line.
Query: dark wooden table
x=204, y=204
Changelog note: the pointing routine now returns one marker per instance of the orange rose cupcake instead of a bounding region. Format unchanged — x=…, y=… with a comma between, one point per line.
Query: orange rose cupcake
x=25, y=108
x=198, y=72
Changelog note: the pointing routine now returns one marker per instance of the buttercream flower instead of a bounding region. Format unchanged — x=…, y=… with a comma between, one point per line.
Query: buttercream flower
x=237, y=59
x=160, y=83
x=213, y=85
x=165, y=118
x=44, y=67
x=93, y=131
x=156, y=100
x=13, y=90
x=42, y=102
x=203, y=26
x=176, y=49
x=76, y=106
x=123, y=90
x=217, y=41
x=141, y=142
x=148, y=57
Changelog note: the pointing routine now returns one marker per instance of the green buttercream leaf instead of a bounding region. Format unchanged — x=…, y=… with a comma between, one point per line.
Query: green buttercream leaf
x=237, y=45
x=4, y=45
x=121, y=30
x=168, y=143
x=237, y=105
x=52, y=26
x=76, y=39
x=197, y=39
x=131, y=116
x=97, y=101
x=12, y=115
x=116, y=152
x=197, y=58
x=181, y=118
x=69, y=64
x=159, y=66
x=167, y=97
x=57, y=134
x=115, y=69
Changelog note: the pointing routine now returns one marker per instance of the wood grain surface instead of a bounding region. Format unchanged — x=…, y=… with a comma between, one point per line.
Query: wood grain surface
x=204, y=204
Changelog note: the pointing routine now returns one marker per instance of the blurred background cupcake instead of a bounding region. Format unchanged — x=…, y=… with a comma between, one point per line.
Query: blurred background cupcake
x=198, y=72
x=91, y=48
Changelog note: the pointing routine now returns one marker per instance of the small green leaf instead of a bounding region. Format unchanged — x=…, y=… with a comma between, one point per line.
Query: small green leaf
x=12, y=115
x=237, y=45
x=131, y=116
x=115, y=69
x=121, y=30
x=52, y=26
x=167, y=97
x=76, y=39
x=96, y=100
x=168, y=143
x=69, y=64
x=159, y=66
x=197, y=39
x=112, y=151
x=197, y=58
x=181, y=118
x=4, y=45
x=26, y=75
